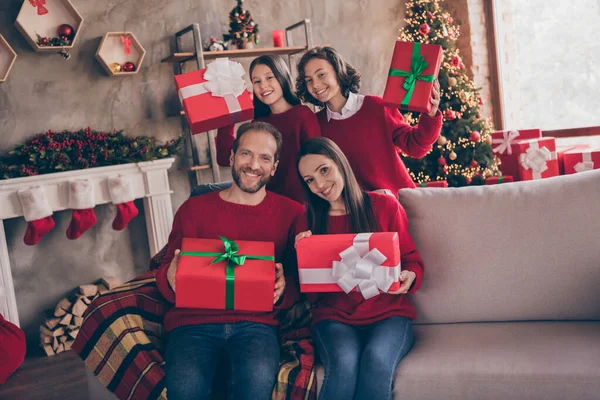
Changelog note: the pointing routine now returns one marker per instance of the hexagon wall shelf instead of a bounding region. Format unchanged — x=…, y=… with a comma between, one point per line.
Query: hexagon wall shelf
x=7, y=58
x=33, y=20
x=112, y=50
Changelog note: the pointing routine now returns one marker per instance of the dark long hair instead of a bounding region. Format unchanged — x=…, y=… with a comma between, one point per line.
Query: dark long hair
x=283, y=76
x=357, y=202
x=348, y=77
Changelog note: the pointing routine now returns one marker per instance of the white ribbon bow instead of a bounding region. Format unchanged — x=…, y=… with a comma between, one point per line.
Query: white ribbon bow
x=536, y=159
x=361, y=267
x=505, y=142
x=224, y=79
x=586, y=163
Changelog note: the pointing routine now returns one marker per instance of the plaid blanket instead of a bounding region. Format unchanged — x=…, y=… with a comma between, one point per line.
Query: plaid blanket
x=122, y=342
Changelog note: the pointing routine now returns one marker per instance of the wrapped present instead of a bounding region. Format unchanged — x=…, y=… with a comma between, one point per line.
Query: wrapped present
x=413, y=70
x=496, y=180
x=367, y=262
x=580, y=160
x=537, y=159
x=439, y=184
x=562, y=149
x=506, y=147
x=225, y=275
x=215, y=96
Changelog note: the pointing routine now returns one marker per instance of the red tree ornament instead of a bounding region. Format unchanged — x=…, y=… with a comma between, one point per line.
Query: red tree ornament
x=66, y=31
x=424, y=29
x=129, y=67
x=441, y=161
x=475, y=136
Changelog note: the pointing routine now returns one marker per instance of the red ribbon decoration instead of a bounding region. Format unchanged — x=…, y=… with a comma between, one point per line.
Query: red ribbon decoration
x=126, y=40
x=41, y=10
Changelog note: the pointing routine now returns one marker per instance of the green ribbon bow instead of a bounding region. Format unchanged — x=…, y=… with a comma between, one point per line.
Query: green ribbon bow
x=233, y=260
x=417, y=66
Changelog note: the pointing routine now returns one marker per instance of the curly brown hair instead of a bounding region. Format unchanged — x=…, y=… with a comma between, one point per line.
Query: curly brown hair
x=347, y=76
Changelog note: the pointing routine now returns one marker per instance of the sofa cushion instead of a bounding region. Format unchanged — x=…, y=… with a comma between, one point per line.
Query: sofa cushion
x=518, y=360
x=516, y=251
x=514, y=360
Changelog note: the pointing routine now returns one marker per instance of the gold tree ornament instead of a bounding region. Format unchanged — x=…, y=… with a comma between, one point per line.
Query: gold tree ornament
x=442, y=140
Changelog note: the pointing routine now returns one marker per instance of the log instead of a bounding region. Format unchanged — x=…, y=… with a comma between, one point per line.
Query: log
x=54, y=333
x=45, y=339
x=79, y=308
x=69, y=344
x=65, y=304
x=52, y=323
x=110, y=282
x=66, y=320
x=74, y=333
x=88, y=290
x=48, y=350
x=59, y=311
x=77, y=321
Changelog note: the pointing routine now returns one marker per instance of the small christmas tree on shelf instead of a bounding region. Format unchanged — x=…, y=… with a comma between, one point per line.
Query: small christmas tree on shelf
x=463, y=153
x=243, y=31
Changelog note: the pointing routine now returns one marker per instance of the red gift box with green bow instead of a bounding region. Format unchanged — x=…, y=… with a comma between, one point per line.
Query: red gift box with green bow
x=414, y=68
x=224, y=274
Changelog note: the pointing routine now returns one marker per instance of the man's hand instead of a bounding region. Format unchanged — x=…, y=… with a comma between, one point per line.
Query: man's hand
x=407, y=278
x=435, y=98
x=279, y=283
x=173, y=270
x=302, y=235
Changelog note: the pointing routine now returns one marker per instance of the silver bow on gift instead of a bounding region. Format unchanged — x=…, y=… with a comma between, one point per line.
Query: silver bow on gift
x=586, y=164
x=361, y=267
x=224, y=79
x=505, y=142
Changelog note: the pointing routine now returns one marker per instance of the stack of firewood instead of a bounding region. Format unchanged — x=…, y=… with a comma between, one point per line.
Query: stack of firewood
x=60, y=328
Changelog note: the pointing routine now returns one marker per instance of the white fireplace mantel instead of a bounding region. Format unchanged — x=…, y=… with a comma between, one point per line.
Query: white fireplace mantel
x=148, y=179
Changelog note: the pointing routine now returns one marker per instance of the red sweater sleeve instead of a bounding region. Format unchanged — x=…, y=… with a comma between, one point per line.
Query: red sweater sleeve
x=310, y=126
x=224, y=143
x=175, y=241
x=409, y=256
x=416, y=141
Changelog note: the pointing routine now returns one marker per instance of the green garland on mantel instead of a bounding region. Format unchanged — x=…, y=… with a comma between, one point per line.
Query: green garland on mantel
x=66, y=151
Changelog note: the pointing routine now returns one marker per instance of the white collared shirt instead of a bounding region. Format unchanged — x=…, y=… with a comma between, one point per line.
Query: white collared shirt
x=353, y=104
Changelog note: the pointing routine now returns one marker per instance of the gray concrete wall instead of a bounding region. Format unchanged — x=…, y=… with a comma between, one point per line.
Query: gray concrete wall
x=44, y=92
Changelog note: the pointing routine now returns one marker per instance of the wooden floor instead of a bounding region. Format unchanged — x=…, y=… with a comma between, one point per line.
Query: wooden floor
x=47, y=378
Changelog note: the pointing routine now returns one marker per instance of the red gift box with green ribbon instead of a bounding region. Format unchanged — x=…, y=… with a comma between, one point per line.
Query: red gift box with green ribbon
x=225, y=274
x=414, y=68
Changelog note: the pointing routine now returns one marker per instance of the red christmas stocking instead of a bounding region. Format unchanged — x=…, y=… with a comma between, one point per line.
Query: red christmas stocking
x=37, y=213
x=121, y=194
x=82, y=201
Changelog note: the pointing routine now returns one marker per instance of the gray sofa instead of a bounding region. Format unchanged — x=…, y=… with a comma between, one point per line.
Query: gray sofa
x=510, y=302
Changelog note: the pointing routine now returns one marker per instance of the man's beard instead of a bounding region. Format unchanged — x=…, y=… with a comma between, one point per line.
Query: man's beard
x=237, y=178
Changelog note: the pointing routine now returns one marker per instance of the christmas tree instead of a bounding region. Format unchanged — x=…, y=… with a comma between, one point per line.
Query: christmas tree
x=242, y=28
x=463, y=153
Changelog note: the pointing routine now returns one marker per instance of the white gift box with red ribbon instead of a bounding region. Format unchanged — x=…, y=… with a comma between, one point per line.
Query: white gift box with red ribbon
x=537, y=159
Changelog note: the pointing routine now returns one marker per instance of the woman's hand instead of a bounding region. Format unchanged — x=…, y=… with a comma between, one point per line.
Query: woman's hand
x=279, y=283
x=407, y=278
x=173, y=270
x=435, y=98
x=302, y=235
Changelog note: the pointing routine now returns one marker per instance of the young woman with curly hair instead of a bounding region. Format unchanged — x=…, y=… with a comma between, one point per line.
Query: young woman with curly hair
x=367, y=131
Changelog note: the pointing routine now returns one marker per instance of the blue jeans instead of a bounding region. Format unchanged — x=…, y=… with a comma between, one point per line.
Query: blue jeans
x=192, y=352
x=210, y=187
x=360, y=361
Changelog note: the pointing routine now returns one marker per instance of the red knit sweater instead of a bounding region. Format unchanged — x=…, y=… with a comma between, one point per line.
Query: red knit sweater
x=208, y=216
x=368, y=137
x=352, y=308
x=296, y=125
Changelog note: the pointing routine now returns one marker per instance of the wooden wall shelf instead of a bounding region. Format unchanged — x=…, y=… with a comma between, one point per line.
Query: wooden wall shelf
x=7, y=58
x=31, y=24
x=112, y=50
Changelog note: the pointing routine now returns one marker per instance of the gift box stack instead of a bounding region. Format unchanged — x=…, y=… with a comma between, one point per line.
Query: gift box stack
x=215, y=96
x=365, y=262
x=525, y=154
x=225, y=275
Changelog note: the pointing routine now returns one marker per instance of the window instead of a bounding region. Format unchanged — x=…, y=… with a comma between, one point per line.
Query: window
x=548, y=62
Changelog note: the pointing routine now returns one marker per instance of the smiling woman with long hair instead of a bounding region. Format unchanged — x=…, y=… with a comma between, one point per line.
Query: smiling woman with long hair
x=276, y=103
x=359, y=341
